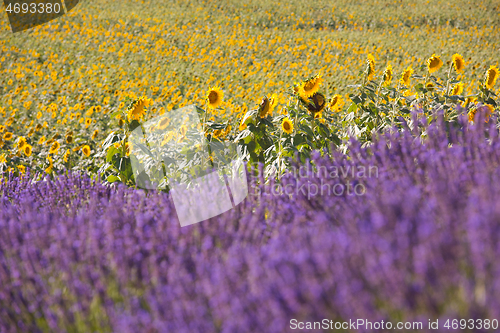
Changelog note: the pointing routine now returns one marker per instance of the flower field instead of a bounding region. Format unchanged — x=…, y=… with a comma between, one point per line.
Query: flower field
x=370, y=133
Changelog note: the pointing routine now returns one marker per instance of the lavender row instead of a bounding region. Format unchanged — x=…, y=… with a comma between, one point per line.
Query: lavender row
x=417, y=241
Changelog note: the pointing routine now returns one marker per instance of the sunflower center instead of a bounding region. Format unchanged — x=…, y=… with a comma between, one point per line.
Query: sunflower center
x=212, y=97
x=286, y=125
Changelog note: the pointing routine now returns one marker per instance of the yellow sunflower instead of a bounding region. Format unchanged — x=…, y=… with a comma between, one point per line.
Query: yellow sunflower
x=491, y=76
x=163, y=123
x=336, y=103
x=86, y=150
x=310, y=86
x=388, y=75
x=136, y=112
x=69, y=139
x=406, y=76
x=22, y=169
x=27, y=150
x=7, y=136
x=21, y=141
x=458, y=62
x=287, y=125
x=94, y=135
x=434, y=63
x=49, y=168
x=54, y=148
x=66, y=155
x=214, y=97
x=42, y=140
x=429, y=86
x=317, y=103
x=370, y=68
x=458, y=89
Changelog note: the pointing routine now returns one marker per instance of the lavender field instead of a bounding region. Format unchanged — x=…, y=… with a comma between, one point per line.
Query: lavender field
x=420, y=244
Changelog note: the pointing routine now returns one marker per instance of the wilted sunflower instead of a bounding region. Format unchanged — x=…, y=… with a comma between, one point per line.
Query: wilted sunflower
x=27, y=150
x=336, y=103
x=370, y=66
x=309, y=87
x=458, y=62
x=287, y=125
x=406, y=76
x=388, y=75
x=434, y=63
x=136, y=112
x=458, y=89
x=86, y=150
x=214, y=97
x=316, y=103
x=491, y=76
x=54, y=148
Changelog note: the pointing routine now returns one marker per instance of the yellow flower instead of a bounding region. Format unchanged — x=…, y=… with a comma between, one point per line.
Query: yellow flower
x=406, y=76
x=3, y=159
x=167, y=137
x=66, y=155
x=42, y=140
x=264, y=107
x=7, y=136
x=429, y=86
x=54, y=148
x=49, y=168
x=310, y=86
x=94, y=135
x=388, y=75
x=136, y=112
x=370, y=68
x=214, y=97
x=86, y=150
x=21, y=141
x=27, y=150
x=2, y=128
x=22, y=169
x=434, y=63
x=317, y=103
x=336, y=103
x=491, y=76
x=287, y=126
x=470, y=100
x=117, y=145
x=458, y=89
x=163, y=123
x=458, y=62
x=88, y=122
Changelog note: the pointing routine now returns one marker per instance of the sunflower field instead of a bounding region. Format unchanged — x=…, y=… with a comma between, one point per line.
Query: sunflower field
x=409, y=88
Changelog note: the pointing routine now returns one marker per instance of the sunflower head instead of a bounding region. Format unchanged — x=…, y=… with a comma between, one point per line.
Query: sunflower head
x=163, y=123
x=86, y=150
x=309, y=87
x=458, y=62
x=406, y=76
x=316, y=103
x=54, y=148
x=287, y=125
x=491, y=76
x=214, y=97
x=137, y=110
x=434, y=63
x=388, y=75
x=429, y=86
x=370, y=66
x=336, y=103
x=264, y=107
x=458, y=89
x=7, y=136
x=27, y=149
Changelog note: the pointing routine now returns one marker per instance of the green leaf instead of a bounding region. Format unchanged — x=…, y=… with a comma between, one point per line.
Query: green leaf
x=113, y=178
x=111, y=152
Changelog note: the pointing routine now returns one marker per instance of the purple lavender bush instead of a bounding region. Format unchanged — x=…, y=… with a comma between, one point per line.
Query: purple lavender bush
x=417, y=241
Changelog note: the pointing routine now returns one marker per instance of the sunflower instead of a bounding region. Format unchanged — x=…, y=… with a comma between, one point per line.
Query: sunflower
x=94, y=135
x=287, y=126
x=54, y=148
x=86, y=150
x=309, y=87
x=469, y=100
x=66, y=155
x=406, y=76
x=336, y=103
x=458, y=89
x=264, y=107
x=69, y=139
x=429, y=86
x=27, y=150
x=88, y=122
x=2, y=128
x=458, y=62
x=49, y=168
x=7, y=136
x=370, y=66
x=317, y=103
x=163, y=123
x=136, y=112
x=42, y=140
x=388, y=75
x=214, y=97
x=434, y=63
x=491, y=76
x=21, y=141
x=22, y=169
